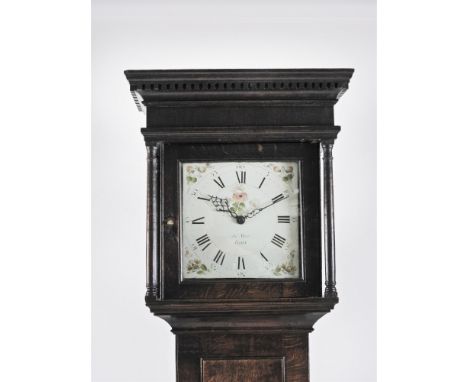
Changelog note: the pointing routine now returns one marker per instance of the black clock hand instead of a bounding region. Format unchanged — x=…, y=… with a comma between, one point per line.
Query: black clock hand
x=256, y=211
x=274, y=201
x=222, y=205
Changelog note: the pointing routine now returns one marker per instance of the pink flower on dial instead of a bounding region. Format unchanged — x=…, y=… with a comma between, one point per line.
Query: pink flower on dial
x=239, y=196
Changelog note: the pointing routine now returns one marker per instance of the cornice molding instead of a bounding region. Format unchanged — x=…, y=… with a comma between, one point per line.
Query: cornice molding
x=153, y=86
x=221, y=134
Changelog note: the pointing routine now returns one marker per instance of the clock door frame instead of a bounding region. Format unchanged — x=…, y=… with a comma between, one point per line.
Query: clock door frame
x=309, y=285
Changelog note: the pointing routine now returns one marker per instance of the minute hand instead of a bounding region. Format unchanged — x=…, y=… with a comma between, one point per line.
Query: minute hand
x=258, y=210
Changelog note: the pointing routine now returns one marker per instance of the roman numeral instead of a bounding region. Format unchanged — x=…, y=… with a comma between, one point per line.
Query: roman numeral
x=202, y=198
x=219, y=257
x=284, y=219
x=263, y=256
x=219, y=182
x=278, y=240
x=240, y=263
x=204, y=240
x=241, y=176
x=198, y=220
x=261, y=183
x=278, y=198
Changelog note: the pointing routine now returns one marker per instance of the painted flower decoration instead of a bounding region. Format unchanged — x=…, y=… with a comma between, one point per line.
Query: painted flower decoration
x=193, y=172
x=196, y=266
x=287, y=172
x=239, y=196
x=287, y=267
x=238, y=202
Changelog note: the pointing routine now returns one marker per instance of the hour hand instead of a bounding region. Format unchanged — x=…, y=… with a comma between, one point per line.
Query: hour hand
x=221, y=205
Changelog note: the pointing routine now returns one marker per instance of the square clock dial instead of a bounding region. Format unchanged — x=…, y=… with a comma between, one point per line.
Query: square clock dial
x=240, y=220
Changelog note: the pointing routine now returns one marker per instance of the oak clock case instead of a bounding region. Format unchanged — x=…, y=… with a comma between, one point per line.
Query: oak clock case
x=240, y=220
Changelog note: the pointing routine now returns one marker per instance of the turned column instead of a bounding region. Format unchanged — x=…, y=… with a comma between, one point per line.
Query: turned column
x=153, y=287
x=329, y=220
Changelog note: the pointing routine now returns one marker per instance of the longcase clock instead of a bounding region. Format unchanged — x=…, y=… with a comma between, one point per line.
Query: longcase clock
x=240, y=222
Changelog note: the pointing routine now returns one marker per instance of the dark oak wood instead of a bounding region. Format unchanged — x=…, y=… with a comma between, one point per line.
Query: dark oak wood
x=225, y=357
x=241, y=134
x=240, y=330
x=226, y=98
x=243, y=369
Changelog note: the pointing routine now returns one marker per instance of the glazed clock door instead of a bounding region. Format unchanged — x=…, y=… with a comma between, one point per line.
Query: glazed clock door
x=240, y=219
x=244, y=227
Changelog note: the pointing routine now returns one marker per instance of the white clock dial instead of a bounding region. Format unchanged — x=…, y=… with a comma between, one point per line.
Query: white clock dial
x=240, y=220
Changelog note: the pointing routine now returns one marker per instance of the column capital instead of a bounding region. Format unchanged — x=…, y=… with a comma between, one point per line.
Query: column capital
x=327, y=142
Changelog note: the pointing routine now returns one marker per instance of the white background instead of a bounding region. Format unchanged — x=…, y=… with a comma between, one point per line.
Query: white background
x=45, y=204
x=129, y=344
